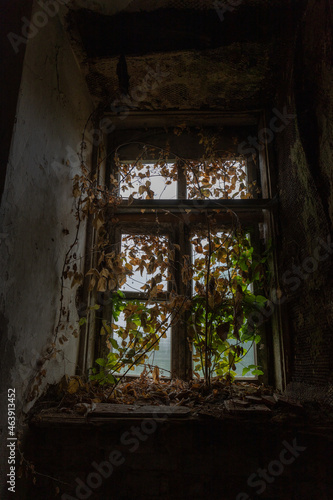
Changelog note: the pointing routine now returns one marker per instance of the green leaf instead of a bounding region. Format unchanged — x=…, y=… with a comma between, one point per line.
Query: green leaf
x=110, y=378
x=82, y=321
x=114, y=343
x=105, y=328
x=95, y=307
x=112, y=358
x=243, y=265
x=261, y=300
x=249, y=298
x=115, y=314
x=101, y=361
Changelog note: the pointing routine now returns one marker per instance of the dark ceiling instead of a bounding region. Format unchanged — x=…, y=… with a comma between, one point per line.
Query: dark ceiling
x=170, y=30
x=204, y=59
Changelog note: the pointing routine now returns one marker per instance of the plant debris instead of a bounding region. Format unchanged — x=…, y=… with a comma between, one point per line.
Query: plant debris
x=75, y=396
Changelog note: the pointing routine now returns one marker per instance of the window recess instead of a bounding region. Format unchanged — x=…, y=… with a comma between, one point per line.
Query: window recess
x=171, y=197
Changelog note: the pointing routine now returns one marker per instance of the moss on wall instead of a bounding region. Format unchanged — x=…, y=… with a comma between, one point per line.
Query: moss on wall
x=311, y=213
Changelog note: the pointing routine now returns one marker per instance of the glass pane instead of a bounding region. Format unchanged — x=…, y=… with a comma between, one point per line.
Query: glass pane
x=160, y=357
x=222, y=274
x=248, y=359
x=215, y=180
x=146, y=258
x=218, y=266
x=148, y=181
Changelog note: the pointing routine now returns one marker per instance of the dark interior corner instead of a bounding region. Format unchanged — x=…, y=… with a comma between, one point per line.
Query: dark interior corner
x=107, y=73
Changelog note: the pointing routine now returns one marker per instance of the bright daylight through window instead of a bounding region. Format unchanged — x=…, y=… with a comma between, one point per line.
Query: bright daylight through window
x=180, y=264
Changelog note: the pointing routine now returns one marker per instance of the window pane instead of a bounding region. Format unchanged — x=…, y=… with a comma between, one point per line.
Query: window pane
x=222, y=245
x=220, y=280
x=160, y=357
x=248, y=359
x=218, y=179
x=146, y=258
x=148, y=181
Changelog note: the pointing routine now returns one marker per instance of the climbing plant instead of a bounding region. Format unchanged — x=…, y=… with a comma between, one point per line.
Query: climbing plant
x=225, y=275
x=220, y=277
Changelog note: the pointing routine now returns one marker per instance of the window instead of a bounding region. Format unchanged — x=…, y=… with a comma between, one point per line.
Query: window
x=180, y=193
x=139, y=249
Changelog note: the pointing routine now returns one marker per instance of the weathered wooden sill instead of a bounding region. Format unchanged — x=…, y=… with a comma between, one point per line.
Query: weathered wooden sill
x=118, y=414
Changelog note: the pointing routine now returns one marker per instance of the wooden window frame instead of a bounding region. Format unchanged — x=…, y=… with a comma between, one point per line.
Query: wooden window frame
x=251, y=213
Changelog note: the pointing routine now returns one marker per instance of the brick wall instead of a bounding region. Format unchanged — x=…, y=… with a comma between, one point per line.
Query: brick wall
x=189, y=459
x=304, y=160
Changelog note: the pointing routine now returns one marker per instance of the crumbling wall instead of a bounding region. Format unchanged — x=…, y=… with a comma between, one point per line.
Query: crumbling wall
x=304, y=159
x=38, y=221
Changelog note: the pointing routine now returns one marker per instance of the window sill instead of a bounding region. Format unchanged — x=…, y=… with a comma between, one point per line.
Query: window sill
x=231, y=410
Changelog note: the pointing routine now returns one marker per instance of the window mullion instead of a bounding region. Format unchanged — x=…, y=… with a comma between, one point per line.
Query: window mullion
x=181, y=191
x=181, y=359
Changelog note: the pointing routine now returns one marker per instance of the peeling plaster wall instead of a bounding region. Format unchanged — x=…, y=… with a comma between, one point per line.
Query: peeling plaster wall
x=38, y=210
x=305, y=164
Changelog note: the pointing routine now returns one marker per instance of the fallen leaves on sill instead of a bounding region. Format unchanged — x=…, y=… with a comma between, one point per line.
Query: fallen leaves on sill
x=76, y=396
